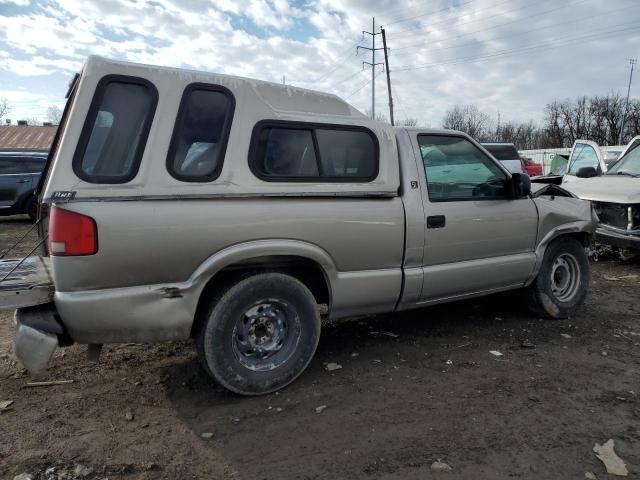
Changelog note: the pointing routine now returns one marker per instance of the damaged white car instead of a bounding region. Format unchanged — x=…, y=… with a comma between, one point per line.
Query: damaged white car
x=615, y=195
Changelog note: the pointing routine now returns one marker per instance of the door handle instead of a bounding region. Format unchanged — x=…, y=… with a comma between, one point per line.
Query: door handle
x=436, y=221
x=22, y=181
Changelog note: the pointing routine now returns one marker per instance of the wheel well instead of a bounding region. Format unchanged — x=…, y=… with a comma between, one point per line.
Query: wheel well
x=307, y=271
x=583, y=237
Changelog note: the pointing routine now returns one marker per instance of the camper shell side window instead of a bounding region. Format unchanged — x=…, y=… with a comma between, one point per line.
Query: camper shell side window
x=285, y=151
x=201, y=132
x=115, y=131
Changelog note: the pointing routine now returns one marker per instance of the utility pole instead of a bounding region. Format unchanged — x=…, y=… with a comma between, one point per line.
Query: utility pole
x=386, y=66
x=632, y=62
x=373, y=64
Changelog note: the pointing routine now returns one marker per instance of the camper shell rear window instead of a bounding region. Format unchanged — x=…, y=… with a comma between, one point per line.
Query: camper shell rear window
x=284, y=151
x=115, y=131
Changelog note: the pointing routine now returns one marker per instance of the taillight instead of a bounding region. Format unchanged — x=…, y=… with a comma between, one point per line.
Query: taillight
x=71, y=233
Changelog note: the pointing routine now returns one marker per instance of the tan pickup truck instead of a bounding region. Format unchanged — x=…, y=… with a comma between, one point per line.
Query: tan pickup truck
x=180, y=204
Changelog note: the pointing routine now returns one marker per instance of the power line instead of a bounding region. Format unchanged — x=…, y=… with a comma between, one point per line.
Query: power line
x=345, y=79
x=433, y=12
x=513, y=51
x=338, y=61
x=412, y=29
x=362, y=86
x=564, y=5
x=516, y=35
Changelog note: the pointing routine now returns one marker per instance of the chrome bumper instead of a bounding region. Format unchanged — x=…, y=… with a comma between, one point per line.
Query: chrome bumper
x=38, y=333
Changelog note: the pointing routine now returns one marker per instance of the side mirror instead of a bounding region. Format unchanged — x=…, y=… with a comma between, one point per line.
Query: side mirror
x=586, y=172
x=520, y=185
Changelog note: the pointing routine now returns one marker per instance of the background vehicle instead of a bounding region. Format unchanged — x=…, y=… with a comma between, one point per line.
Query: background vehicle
x=507, y=154
x=532, y=168
x=615, y=194
x=19, y=175
x=191, y=205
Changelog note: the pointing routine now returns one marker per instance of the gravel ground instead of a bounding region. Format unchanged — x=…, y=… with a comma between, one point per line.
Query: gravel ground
x=413, y=388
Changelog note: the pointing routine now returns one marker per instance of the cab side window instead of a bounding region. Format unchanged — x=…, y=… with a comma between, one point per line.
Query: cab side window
x=201, y=133
x=456, y=169
x=583, y=156
x=288, y=151
x=115, y=131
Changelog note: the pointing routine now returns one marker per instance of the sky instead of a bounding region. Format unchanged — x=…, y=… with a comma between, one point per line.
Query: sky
x=508, y=57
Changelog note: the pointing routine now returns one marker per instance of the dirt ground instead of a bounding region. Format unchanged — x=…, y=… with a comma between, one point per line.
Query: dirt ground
x=413, y=388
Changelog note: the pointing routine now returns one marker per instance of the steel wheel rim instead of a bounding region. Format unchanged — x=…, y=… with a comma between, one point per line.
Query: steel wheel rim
x=565, y=277
x=266, y=335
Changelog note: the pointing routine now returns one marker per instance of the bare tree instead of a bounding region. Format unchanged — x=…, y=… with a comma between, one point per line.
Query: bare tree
x=54, y=114
x=380, y=117
x=5, y=108
x=468, y=119
x=408, y=122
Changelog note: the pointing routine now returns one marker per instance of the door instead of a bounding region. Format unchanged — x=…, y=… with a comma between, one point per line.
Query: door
x=13, y=181
x=477, y=238
x=583, y=154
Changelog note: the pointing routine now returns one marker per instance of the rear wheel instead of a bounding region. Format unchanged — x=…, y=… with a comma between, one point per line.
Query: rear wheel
x=260, y=334
x=32, y=208
x=563, y=281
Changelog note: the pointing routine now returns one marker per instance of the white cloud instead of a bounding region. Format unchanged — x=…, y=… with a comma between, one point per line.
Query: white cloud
x=226, y=36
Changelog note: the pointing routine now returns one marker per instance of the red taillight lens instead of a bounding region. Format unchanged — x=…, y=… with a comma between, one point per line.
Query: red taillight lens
x=71, y=233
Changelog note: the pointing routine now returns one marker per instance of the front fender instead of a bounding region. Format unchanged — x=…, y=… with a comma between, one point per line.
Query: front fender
x=558, y=216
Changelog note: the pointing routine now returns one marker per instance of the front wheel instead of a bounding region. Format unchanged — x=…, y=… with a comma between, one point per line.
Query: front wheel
x=562, y=283
x=261, y=334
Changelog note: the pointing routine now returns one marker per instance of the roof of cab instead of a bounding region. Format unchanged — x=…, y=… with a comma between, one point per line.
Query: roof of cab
x=282, y=98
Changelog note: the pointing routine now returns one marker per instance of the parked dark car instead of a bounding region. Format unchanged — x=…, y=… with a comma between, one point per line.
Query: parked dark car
x=19, y=175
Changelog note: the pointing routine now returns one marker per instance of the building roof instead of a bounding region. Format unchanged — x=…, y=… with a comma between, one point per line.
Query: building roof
x=26, y=137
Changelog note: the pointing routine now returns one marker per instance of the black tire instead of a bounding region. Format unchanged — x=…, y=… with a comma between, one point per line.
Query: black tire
x=260, y=334
x=31, y=208
x=562, y=284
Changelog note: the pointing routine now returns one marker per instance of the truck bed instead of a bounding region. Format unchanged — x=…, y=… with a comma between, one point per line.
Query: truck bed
x=28, y=284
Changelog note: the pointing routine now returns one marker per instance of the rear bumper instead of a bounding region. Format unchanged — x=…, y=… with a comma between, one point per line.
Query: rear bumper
x=615, y=239
x=38, y=333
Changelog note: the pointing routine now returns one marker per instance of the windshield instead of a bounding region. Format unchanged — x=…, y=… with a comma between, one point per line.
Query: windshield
x=627, y=165
x=503, y=152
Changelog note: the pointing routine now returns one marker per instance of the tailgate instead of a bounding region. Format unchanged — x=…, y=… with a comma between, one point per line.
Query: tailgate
x=29, y=282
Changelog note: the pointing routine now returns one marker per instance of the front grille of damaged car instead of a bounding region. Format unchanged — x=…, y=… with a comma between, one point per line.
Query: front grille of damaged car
x=623, y=217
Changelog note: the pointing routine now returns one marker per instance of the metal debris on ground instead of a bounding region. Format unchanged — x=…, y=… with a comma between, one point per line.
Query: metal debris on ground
x=590, y=476
x=565, y=335
x=23, y=476
x=320, y=408
x=206, y=435
x=5, y=405
x=48, y=384
x=613, y=463
x=496, y=353
x=330, y=367
x=440, y=467
x=449, y=362
x=392, y=335
x=82, y=471
x=527, y=344
x=611, y=278
x=129, y=416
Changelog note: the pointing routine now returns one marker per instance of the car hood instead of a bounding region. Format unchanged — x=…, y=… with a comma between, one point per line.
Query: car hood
x=606, y=188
